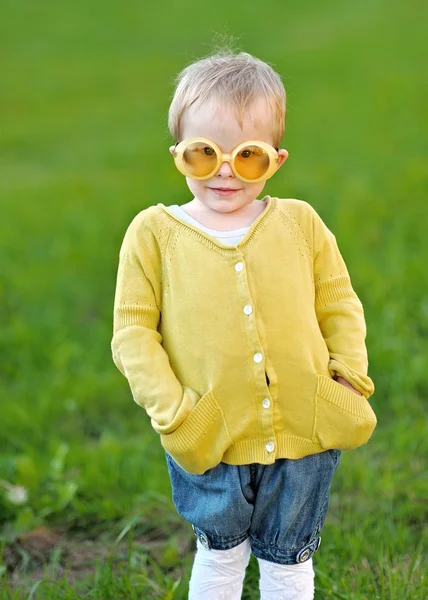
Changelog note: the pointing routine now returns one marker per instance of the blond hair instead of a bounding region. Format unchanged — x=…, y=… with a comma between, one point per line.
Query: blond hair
x=232, y=79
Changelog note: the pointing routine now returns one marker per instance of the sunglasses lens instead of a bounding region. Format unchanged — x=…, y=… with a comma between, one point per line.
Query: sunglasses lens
x=200, y=159
x=252, y=162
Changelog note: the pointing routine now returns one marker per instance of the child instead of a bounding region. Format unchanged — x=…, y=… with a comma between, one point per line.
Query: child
x=237, y=327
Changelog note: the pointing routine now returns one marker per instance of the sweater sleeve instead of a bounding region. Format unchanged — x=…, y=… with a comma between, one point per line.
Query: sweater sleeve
x=136, y=344
x=339, y=311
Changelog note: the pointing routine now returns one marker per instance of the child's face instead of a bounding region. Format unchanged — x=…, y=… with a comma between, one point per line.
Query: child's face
x=221, y=126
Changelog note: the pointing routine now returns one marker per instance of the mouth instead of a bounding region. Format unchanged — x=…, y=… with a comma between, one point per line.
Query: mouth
x=224, y=191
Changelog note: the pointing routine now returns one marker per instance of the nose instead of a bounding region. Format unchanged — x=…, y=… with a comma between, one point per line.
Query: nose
x=225, y=170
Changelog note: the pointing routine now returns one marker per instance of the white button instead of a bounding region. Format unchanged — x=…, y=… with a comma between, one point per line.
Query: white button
x=258, y=357
x=248, y=310
x=266, y=403
x=239, y=266
x=270, y=446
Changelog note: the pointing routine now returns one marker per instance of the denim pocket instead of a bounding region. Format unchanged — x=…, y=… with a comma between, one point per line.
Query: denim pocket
x=344, y=420
x=335, y=455
x=199, y=443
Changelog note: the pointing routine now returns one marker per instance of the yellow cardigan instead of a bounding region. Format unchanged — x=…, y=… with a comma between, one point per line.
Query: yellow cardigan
x=232, y=351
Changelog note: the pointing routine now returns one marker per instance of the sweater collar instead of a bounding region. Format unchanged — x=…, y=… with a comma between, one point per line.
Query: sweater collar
x=205, y=237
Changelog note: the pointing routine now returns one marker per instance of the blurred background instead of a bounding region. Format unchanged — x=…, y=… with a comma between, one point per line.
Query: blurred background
x=85, y=498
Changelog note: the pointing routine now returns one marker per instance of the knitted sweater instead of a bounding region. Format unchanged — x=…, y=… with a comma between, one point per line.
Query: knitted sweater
x=232, y=350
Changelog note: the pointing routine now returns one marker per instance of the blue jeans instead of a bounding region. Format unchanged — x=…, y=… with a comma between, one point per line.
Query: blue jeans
x=281, y=507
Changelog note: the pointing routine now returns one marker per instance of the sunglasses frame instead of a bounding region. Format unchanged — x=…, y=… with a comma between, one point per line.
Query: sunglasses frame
x=222, y=157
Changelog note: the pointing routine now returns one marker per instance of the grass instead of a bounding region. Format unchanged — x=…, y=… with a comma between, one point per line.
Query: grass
x=83, y=148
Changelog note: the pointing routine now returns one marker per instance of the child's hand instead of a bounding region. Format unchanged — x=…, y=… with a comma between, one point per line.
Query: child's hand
x=347, y=384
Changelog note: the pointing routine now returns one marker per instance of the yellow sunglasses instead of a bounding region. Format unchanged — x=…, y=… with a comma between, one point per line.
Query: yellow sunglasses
x=201, y=158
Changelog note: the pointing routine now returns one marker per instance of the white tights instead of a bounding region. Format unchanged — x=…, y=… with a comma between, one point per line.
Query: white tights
x=219, y=575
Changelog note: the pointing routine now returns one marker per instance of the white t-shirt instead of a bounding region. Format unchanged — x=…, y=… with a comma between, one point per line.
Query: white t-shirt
x=231, y=237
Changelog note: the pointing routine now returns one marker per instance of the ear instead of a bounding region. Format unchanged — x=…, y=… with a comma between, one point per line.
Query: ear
x=283, y=155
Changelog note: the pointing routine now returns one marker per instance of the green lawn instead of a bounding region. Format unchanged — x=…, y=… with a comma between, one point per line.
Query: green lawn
x=84, y=147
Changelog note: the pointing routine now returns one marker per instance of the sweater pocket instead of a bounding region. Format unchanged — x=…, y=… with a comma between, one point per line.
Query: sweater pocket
x=344, y=420
x=200, y=441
